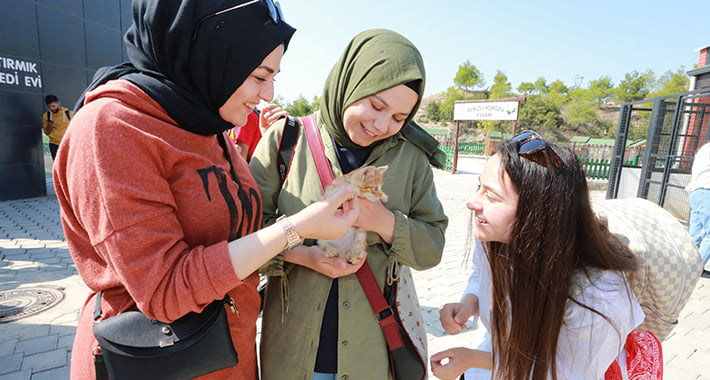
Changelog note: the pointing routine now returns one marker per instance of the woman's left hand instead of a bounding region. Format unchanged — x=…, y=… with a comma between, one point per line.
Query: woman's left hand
x=315, y=259
x=375, y=217
x=451, y=363
x=269, y=114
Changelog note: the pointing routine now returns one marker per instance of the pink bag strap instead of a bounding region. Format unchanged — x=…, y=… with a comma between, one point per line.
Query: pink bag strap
x=315, y=144
x=383, y=312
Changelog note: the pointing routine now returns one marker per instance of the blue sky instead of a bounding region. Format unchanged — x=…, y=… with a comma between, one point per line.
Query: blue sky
x=525, y=39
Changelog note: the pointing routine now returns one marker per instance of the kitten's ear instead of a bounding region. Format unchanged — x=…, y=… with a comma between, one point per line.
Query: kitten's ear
x=382, y=169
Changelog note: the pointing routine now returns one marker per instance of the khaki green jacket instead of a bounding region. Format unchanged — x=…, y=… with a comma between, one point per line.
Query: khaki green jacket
x=296, y=295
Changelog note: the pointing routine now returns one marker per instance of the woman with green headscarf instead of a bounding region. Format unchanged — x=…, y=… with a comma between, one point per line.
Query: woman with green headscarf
x=317, y=322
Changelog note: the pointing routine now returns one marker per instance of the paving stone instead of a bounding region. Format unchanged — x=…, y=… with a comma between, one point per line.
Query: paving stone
x=27, y=332
x=17, y=375
x=15, y=254
x=66, y=341
x=45, y=360
x=52, y=374
x=41, y=253
x=10, y=363
x=7, y=347
x=37, y=345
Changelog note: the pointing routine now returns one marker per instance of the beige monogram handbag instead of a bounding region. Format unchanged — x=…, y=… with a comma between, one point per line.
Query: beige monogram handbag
x=671, y=265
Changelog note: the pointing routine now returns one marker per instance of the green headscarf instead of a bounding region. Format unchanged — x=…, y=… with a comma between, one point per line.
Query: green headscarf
x=374, y=61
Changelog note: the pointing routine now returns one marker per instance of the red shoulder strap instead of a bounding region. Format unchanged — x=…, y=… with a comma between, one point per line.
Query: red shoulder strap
x=383, y=313
x=315, y=144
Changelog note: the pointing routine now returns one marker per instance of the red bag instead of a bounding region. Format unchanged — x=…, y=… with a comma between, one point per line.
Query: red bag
x=644, y=358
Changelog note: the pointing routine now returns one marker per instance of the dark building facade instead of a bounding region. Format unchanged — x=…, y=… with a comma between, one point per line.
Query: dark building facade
x=48, y=47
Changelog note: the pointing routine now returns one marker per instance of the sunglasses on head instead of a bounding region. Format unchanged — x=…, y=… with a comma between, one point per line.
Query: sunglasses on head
x=533, y=147
x=274, y=11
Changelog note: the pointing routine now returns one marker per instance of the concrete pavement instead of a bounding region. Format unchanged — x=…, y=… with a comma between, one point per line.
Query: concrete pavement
x=34, y=257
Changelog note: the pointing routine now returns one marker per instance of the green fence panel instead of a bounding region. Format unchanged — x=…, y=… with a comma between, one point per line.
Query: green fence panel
x=596, y=168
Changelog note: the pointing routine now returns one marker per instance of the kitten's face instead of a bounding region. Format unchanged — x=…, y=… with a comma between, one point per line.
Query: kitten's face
x=368, y=181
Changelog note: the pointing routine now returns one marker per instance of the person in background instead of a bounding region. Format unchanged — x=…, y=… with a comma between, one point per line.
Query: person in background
x=699, y=198
x=247, y=136
x=317, y=322
x=55, y=122
x=549, y=280
x=158, y=211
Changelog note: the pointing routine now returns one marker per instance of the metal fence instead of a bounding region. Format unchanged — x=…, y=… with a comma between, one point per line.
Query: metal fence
x=674, y=126
x=464, y=148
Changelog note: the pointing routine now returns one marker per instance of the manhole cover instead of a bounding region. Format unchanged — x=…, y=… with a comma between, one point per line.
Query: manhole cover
x=20, y=303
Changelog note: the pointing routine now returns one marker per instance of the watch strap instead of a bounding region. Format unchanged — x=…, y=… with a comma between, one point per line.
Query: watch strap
x=293, y=239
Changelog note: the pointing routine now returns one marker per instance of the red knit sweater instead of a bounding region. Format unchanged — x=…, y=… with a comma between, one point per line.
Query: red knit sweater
x=147, y=209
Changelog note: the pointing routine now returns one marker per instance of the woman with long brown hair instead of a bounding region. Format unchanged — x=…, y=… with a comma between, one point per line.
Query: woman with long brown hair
x=549, y=280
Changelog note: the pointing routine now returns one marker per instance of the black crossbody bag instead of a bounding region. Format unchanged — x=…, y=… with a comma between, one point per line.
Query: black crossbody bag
x=133, y=346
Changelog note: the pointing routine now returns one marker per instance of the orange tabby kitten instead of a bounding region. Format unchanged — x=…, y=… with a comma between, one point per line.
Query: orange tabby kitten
x=367, y=181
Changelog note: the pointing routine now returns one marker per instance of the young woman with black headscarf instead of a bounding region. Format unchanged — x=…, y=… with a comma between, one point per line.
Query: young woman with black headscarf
x=159, y=213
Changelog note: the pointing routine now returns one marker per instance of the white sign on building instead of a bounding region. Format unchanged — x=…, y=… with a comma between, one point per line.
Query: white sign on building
x=486, y=110
x=20, y=74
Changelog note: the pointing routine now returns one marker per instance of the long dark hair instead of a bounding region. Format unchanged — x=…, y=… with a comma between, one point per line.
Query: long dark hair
x=555, y=235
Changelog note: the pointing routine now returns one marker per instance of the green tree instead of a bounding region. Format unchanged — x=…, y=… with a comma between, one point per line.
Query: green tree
x=501, y=88
x=601, y=89
x=635, y=86
x=539, y=113
x=541, y=86
x=446, y=108
x=527, y=88
x=279, y=101
x=433, y=111
x=316, y=103
x=558, y=93
x=671, y=82
x=581, y=115
x=299, y=107
x=468, y=77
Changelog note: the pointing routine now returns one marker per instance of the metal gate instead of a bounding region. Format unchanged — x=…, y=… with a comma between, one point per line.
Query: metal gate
x=675, y=127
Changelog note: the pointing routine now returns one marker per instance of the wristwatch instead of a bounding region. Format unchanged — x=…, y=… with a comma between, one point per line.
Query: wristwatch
x=293, y=239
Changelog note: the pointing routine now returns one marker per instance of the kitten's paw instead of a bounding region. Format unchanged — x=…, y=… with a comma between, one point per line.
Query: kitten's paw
x=330, y=251
x=355, y=259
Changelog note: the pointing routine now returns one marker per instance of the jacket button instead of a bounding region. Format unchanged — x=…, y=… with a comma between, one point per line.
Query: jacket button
x=345, y=377
x=346, y=304
x=345, y=343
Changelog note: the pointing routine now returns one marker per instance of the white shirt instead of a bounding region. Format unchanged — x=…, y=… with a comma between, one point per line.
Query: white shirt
x=700, y=173
x=588, y=343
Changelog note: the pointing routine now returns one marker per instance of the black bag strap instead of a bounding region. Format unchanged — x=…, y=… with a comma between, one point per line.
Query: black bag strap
x=99, y=363
x=287, y=146
x=100, y=367
x=97, y=307
x=66, y=112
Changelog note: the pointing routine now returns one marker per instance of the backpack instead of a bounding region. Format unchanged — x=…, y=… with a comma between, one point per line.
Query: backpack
x=287, y=146
x=286, y=150
x=671, y=265
x=66, y=112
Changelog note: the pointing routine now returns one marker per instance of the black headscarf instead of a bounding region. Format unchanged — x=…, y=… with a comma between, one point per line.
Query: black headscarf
x=192, y=79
